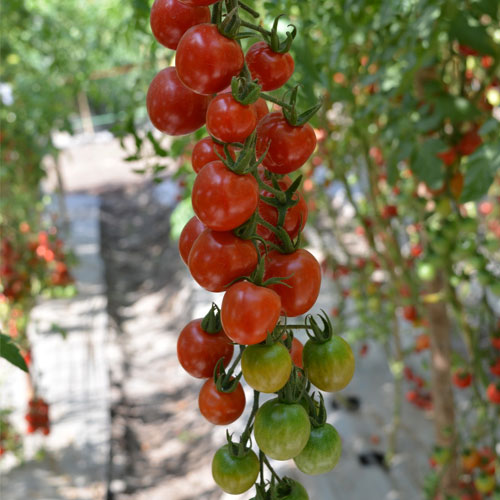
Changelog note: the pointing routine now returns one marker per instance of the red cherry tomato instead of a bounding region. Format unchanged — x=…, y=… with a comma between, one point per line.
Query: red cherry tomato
x=217, y=258
x=495, y=368
x=493, y=393
x=199, y=2
x=198, y=351
x=221, y=408
x=289, y=147
x=249, y=312
x=188, y=236
x=261, y=108
x=295, y=218
x=230, y=121
x=304, y=280
x=204, y=152
x=172, y=107
x=206, y=61
x=170, y=19
x=296, y=352
x=469, y=143
x=223, y=200
x=462, y=378
x=271, y=69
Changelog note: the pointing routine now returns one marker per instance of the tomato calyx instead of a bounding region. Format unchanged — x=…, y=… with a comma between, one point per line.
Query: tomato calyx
x=244, y=90
x=224, y=381
x=316, y=409
x=295, y=389
x=319, y=334
x=211, y=323
x=273, y=39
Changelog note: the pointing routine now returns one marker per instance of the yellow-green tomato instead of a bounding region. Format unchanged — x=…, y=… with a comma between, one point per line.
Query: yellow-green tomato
x=329, y=365
x=234, y=474
x=266, y=368
x=322, y=451
x=281, y=430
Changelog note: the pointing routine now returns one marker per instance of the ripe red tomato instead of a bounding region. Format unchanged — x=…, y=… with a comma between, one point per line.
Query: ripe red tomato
x=223, y=200
x=422, y=342
x=448, y=157
x=221, y=408
x=462, y=378
x=303, y=274
x=261, y=108
x=170, y=19
x=271, y=69
x=249, y=312
x=295, y=218
x=206, y=61
x=190, y=232
x=410, y=313
x=329, y=365
x=281, y=430
x=296, y=352
x=266, y=368
x=470, y=459
x=198, y=351
x=204, y=152
x=493, y=393
x=495, y=342
x=172, y=108
x=289, y=147
x=469, y=143
x=230, y=121
x=217, y=258
x=322, y=451
x=235, y=474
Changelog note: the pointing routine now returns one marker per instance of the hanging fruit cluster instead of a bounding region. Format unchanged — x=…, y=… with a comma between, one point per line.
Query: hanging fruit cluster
x=38, y=416
x=245, y=241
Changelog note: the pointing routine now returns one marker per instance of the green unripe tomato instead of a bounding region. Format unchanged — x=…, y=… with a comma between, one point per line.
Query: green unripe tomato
x=266, y=368
x=235, y=475
x=329, y=365
x=322, y=451
x=292, y=490
x=426, y=271
x=281, y=430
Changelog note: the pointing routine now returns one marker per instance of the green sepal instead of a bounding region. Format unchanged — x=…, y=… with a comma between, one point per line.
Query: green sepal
x=319, y=334
x=211, y=323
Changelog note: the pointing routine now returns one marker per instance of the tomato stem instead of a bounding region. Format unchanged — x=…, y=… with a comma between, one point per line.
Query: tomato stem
x=268, y=465
x=255, y=27
x=275, y=100
x=249, y=9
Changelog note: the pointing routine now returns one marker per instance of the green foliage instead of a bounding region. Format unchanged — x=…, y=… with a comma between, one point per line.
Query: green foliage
x=10, y=352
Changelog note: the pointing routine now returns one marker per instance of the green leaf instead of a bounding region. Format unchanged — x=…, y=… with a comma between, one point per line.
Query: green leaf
x=159, y=151
x=10, y=352
x=427, y=166
x=481, y=168
x=468, y=31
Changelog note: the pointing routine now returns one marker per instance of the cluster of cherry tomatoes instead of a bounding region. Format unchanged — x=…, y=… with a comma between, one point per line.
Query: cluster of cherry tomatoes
x=42, y=255
x=244, y=241
x=38, y=416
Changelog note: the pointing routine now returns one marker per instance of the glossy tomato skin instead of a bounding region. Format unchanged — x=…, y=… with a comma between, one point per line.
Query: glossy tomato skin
x=198, y=351
x=230, y=121
x=234, y=475
x=295, y=218
x=266, y=368
x=261, y=108
x=204, y=152
x=221, y=408
x=281, y=430
x=329, y=365
x=197, y=3
x=271, y=69
x=303, y=283
x=170, y=19
x=223, y=200
x=289, y=147
x=206, y=61
x=172, y=108
x=217, y=258
x=189, y=233
x=249, y=312
x=296, y=352
x=322, y=451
